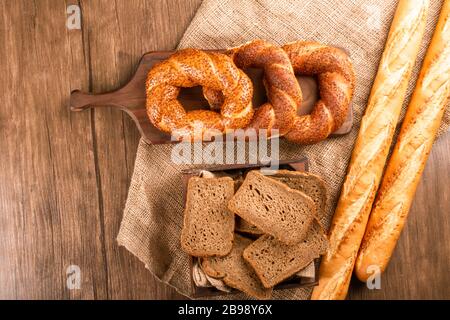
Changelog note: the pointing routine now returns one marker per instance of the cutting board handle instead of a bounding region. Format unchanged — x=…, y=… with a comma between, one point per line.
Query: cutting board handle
x=80, y=101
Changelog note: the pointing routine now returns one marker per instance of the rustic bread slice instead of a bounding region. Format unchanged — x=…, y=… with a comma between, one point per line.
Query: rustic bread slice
x=273, y=207
x=310, y=184
x=235, y=272
x=208, y=226
x=244, y=226
x=274, y=261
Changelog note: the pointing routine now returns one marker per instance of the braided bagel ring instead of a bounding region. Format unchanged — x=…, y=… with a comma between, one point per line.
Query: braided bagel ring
x=283, y=91
x=189, y=68
x=336, y=80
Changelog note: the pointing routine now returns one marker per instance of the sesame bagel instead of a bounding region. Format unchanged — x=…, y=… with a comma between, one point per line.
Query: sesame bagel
x=283, y=91
x=336, y=80
x=189, y=68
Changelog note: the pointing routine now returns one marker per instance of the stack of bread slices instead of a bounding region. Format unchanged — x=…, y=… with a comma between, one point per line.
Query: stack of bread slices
x=283, y=210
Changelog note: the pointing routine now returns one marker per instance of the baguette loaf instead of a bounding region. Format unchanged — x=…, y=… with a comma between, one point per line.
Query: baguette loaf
x=410, y=153
x=371, y=149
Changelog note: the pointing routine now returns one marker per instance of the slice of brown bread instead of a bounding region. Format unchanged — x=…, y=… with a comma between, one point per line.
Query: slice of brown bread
x=208, y=226
x=244, y=226
x=274, y=261
x=235, y=271
x=273, y=207
x=308, y=183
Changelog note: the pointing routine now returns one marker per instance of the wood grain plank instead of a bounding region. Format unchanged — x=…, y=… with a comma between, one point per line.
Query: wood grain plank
x=117, y=39
x=54, y=222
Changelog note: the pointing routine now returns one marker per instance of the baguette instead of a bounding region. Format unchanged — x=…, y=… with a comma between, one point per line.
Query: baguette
x=371, y=148
x=410, y=153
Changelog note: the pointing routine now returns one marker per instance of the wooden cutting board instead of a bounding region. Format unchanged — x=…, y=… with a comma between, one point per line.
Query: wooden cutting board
x=131, y=98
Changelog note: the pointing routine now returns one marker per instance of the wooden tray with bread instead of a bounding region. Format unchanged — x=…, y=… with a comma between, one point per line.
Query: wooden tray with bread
x=131, y=98
x=211, y=265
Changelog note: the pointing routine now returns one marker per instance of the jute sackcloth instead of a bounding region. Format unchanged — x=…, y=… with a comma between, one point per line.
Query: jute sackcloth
x=153, y=214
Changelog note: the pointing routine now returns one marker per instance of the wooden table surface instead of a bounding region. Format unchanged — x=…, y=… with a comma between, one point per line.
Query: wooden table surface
x=64, y=176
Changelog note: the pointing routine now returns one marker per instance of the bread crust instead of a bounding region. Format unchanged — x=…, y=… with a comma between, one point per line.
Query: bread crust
x=410, y=153
x=371, y=149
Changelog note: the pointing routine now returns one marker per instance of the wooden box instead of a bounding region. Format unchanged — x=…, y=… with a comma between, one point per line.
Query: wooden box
x=235, y=170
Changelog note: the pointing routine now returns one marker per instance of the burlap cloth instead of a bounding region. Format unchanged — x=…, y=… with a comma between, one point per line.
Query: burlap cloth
x=153, y=213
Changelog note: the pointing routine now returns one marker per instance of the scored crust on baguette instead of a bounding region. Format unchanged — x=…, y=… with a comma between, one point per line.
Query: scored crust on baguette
x=410, y=153
x=235, y=272
x=274, y=261
x=308, y=183
x=208, y=226
x=371, y=149
x=273, y=207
